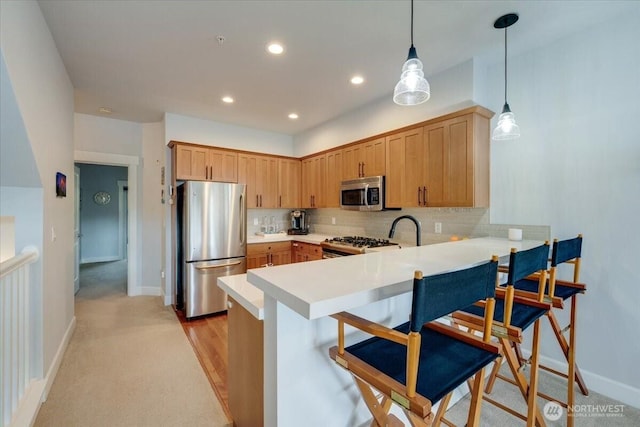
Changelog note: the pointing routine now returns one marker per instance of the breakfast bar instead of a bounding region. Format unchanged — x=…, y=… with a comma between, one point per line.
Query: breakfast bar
x=300, y=380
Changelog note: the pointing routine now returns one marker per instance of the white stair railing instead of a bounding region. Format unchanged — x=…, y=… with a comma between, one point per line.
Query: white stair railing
x=16, y=372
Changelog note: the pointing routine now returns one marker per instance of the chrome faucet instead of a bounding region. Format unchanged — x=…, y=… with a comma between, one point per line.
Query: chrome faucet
x=409, y=217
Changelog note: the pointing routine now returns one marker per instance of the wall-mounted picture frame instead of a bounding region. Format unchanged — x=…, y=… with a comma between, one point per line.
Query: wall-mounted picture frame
x=61, y=185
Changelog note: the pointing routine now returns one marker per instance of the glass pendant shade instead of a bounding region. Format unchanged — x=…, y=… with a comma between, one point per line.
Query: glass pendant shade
x=413, y=88
x=507, y=127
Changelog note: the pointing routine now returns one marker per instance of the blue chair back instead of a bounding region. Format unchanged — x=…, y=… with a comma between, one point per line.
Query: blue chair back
x=524, y=263
x=566, y=250
x=439, y=295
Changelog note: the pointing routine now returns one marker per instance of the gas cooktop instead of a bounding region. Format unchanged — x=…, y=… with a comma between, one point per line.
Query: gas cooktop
x=355, y=244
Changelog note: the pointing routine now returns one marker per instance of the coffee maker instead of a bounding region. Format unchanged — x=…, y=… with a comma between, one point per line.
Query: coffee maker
x=299, y=223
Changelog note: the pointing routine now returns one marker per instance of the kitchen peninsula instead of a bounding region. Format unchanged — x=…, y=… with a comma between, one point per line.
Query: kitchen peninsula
x=300, y=381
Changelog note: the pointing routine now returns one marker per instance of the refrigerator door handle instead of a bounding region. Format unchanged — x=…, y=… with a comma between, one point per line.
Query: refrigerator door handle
x=242, y=223
x=206, y=265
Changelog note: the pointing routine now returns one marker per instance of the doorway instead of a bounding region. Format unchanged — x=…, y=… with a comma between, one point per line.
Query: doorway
x=131, y=164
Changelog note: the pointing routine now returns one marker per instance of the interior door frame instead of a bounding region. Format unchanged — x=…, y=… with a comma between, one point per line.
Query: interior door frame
x=76, y=230
x=131, y=163
x=123, y=208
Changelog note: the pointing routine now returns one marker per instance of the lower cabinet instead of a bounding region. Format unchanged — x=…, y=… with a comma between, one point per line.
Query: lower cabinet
x=246, y=367
x=268, y=254
x=302, y=252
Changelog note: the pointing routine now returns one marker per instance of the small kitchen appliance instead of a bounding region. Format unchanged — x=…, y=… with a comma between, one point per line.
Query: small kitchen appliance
x=299, y=223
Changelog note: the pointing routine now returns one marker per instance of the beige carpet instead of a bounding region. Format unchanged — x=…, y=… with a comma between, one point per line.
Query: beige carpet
x=128, y=363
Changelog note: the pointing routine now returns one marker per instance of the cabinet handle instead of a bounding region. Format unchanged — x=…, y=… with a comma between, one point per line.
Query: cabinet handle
x=261, y=200
x=424, y=191
x=279, y=201
x=419, y=197
x=257, y=202
x=362, y=170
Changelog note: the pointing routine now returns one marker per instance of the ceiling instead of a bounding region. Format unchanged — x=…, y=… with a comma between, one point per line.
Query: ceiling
x=143, y=58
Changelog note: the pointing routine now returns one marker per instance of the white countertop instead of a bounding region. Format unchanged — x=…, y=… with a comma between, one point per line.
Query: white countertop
x=247, y=295
x=320, y=288
x=283, y=237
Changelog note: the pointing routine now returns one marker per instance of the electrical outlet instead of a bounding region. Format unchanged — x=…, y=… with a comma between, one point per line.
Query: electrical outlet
x=255, y=221
x=438, y=228
x=162, y=274
x=333, y=220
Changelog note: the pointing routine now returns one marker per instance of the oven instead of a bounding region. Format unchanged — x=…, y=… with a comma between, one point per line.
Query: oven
x=328, y=253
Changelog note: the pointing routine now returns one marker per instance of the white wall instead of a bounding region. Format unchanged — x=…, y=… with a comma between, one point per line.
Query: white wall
x=152, y=226
x=451, y=90
x=577, y=168
x=206, y=132
x=44, y=97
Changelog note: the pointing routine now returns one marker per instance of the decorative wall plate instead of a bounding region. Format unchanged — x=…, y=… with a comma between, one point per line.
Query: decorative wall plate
x=102, y=197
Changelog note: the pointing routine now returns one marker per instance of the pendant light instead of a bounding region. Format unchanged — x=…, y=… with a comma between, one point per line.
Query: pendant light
x=507, y=127
x=413, y=88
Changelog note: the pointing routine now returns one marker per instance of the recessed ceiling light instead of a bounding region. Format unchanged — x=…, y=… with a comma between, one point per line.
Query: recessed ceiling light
x=293, y=116
x=357, y=80
x=275, y=48
x=105, y=110
x=227, y=100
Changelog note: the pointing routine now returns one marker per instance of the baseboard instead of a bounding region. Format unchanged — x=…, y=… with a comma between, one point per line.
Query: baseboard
x=150, y=290
x=29, y=407
x=100, y=259
x=57, y=360
x=607, y=387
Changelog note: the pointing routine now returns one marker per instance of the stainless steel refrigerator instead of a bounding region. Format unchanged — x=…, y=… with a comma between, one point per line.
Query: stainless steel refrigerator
x=211, y=243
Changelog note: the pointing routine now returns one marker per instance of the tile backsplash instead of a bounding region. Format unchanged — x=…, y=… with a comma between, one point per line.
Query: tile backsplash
x=454, y=222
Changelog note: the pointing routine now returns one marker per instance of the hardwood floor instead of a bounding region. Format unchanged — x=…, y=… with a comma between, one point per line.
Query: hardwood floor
x=209, y=337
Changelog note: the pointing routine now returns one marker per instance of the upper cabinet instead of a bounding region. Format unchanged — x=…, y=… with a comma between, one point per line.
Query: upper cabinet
x=334, y=178
x=314, y=175
x=260, y=174
x=444, y=163
x=289, y=182
x=406, y=160
x=195, y=162
x=364, y=159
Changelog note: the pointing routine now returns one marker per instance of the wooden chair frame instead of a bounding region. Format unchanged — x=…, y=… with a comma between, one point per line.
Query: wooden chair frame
x=573, y=374
x=416, y=407
x=510, y=337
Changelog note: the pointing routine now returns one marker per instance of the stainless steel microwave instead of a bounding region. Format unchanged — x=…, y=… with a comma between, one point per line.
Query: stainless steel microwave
x=363, y=194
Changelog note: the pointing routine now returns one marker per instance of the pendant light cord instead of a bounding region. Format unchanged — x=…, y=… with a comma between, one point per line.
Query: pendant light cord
x=505, y=65
x=411, y=23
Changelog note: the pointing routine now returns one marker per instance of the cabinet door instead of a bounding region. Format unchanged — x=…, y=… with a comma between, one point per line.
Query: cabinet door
x=404, y=168
x=247, y=169
x=373, y=159
x=267, y=181
x=246, y=367
x=223, y=165
x=314, y=252
x=191, y=162
x=334, y=178
x=289, y=182
x=314, y=182
x=450, y=162
x=352, y=162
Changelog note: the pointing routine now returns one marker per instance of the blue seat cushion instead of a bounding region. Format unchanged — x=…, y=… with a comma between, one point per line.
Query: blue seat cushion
x=522, y=315
x=561, y=291
x=445, y=362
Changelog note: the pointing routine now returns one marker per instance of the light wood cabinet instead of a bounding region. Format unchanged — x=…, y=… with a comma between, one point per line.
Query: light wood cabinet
x=289, y=183
x=195, y=162
x=444, y=163
x=302, y=252
x=405, y=169
x=260, y=174
x=334, y=178
x=268, y=254
x=314, y=175
x=246, y=367
x=364, y=159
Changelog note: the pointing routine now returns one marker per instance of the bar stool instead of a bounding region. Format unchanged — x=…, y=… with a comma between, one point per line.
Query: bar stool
x=557, y=292
x=422, y=361
x=514, y=314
